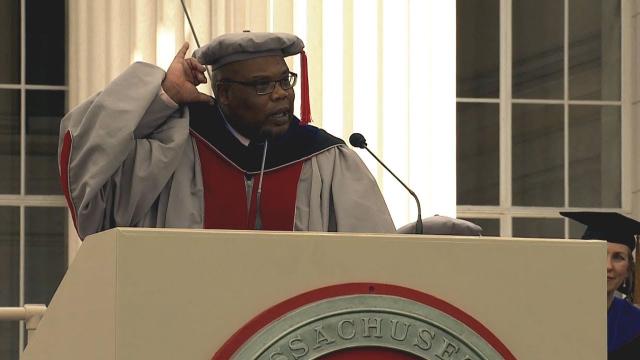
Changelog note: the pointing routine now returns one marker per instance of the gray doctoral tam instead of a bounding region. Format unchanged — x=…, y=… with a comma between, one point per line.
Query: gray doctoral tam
x=233, y=47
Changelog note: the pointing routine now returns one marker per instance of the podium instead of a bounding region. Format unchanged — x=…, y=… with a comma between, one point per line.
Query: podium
x=195, y=294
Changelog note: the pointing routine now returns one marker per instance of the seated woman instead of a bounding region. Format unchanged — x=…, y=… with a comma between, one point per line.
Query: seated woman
x=623, y=318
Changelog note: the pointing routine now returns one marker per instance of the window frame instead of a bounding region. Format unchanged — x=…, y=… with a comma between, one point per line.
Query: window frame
x=23, y=200
x=505, y=212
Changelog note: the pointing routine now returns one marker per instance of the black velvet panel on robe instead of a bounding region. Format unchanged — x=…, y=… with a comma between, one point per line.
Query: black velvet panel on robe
x=297, y=143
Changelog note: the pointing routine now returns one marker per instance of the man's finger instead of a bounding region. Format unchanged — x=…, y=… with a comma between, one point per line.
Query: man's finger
x=195, y=76
x=200, y=76
x=183, y=50
x=197, y=81
x=195, y=65
x=200, y=67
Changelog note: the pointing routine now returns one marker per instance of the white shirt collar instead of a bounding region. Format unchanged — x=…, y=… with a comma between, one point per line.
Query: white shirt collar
x=243, y=139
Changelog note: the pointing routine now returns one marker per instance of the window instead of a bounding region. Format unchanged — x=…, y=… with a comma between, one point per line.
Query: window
x=540, y=112
x=33, y=249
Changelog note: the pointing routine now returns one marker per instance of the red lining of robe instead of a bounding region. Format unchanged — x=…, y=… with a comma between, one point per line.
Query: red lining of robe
x=225, y=200
x=65, y=155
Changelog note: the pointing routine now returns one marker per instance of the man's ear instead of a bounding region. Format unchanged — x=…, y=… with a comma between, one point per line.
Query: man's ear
x=222, y=93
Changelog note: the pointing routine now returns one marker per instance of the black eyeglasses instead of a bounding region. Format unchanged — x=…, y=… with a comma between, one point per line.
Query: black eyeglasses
x=264, y=87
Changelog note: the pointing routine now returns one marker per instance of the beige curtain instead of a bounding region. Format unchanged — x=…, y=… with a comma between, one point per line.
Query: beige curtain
x=107, y=35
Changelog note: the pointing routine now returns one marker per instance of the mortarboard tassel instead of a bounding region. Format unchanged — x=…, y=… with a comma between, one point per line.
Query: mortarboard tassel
x=305, y=107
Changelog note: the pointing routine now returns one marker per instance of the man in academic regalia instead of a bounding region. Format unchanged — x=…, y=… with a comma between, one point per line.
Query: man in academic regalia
x=151, y=150
x=623, y=318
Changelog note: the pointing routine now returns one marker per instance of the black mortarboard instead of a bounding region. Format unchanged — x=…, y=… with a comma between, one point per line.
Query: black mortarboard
x=609, y=226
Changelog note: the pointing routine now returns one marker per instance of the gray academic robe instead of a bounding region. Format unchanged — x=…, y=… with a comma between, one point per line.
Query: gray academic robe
x=127, y=159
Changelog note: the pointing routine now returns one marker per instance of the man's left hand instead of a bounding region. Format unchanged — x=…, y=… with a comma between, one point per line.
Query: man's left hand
x=183, y=75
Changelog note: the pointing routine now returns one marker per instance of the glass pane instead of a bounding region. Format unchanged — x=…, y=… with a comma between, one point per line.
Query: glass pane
x=538, y=49
x=9, y=278
x=478, y=44
x=9, y=256
x=46, y=52
x=44, y=111
x=45, y=252
x=595, y=147
x=538, y=228
x=538, y=155
x=576, y=229
x=10, y=41
x=594, y=49
x=9, y=341
x=490, y=227
x=10, y=143
x=478, y=154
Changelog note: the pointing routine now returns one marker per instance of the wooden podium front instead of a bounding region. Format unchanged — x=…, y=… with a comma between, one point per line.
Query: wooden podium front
x=192, y=294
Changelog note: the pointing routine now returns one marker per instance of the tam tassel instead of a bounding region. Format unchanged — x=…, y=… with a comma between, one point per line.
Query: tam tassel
x=305, y=107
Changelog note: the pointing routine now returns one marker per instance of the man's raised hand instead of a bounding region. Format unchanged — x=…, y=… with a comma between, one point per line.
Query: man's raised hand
x=182, y=77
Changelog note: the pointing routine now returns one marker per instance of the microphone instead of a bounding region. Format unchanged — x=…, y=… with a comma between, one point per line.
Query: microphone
x=358, y=140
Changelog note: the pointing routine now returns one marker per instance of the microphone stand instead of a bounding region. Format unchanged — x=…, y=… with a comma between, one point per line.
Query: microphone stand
x=358, y=140
x=419, y=221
